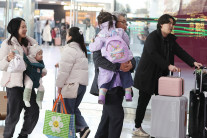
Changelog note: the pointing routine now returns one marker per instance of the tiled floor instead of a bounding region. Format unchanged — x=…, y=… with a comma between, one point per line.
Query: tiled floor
x=89, y=107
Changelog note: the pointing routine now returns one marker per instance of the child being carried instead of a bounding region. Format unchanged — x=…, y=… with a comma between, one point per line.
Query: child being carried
x=33, y=75
x=114, y=45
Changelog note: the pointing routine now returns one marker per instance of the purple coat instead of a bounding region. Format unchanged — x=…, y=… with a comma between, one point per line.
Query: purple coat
x=106, y=76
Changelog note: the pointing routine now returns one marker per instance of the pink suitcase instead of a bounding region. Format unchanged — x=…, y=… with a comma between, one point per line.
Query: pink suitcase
x=57, y=41
x=171, y=86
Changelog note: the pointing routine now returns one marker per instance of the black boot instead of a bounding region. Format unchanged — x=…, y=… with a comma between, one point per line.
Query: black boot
x=21, y=136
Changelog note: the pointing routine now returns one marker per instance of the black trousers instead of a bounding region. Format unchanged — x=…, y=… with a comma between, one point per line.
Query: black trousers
x=143, y=101
x=15, y=105
x=112, y=118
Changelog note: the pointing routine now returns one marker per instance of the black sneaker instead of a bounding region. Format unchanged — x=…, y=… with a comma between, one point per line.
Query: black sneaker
x=85, y=132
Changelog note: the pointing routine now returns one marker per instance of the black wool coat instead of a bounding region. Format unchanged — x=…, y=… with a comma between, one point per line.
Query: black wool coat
x=153, y=65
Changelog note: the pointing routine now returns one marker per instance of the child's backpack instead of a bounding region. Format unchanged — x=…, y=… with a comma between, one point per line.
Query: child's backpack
x=116, y=48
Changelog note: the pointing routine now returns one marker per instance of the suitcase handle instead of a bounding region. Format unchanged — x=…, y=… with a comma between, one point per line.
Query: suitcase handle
x=201, y=79
x=56, y=68
x=179, y=73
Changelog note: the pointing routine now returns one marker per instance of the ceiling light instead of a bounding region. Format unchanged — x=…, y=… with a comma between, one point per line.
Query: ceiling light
x=63, y=3
x=51, y=2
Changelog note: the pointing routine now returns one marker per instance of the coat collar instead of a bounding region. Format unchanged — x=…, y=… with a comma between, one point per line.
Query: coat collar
x=105, y=25
x=73, y=44
x=30, y=40
x=170, y=36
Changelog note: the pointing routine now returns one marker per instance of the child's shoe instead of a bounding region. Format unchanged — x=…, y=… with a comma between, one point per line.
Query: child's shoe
x=39, y=103
x=128, y=97
x=39, y=98
x=101, y=99
x=27, y=104
x=26, y=96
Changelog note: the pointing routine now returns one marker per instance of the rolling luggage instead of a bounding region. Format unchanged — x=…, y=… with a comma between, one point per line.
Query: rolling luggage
x=3, y=105
x=58, y=106
x=168, y=116
x=171, y=86
x=197, y=109
x=58, y=41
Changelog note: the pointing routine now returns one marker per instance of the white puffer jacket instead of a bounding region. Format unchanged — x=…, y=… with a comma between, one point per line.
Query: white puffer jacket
x=11, y=79
x=73, y=66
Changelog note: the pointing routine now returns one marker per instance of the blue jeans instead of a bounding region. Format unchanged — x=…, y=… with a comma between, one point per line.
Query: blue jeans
x=72, y=108
x=38, y=38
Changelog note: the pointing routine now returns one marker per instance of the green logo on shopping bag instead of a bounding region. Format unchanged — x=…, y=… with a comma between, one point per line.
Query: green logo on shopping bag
x=56, y=124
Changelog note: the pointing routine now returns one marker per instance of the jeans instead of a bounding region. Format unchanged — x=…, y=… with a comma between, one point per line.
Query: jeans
x=72, y=108
x=38, y=38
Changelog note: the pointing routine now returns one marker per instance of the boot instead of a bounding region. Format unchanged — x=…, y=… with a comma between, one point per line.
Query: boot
x=39, y=98
x=26, y=96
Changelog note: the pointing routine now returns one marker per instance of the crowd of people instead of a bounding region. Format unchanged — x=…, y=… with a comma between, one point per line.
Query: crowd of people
x=157, y=60
x=48, y=35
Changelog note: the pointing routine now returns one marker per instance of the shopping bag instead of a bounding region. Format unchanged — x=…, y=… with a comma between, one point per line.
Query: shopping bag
x=3, y=105
x=17, y=64
x=59, y=125
x=70, y=90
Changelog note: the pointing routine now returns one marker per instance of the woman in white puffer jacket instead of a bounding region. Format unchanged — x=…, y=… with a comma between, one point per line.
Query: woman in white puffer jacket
x=73, y=71
x=18, y=41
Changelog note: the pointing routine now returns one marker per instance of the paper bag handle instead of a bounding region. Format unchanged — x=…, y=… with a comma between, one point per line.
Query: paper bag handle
x=61, y=99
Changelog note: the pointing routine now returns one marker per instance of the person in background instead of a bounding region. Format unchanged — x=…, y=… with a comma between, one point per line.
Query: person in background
x=58, y=24
x=90, y=31
x=112, y=117
x=142, y=35
x=73, y=69
x=157, y=60
x=63, y=35
x=38, y=31
x=14, y=81
x=47, y=37
x=53, y=32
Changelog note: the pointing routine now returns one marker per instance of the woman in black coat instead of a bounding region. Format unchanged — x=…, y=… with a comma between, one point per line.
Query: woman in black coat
x=157, y=60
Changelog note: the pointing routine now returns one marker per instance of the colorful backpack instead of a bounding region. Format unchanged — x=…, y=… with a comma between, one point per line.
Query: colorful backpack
x=116, y=48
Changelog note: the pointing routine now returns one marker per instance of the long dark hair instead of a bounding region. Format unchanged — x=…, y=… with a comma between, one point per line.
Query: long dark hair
x=106, y=16
x=165, y=18
x=77, y=36
x=47, y=22
x=13, y=29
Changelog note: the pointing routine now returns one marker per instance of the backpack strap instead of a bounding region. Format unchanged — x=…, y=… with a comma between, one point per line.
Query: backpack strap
x=39, y=65
x=113, y=32
x=26, y=59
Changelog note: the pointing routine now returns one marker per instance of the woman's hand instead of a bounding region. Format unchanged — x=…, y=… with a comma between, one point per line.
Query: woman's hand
x=10, y=56
x=198, y=65
x=59, y=90
x=125, y=67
